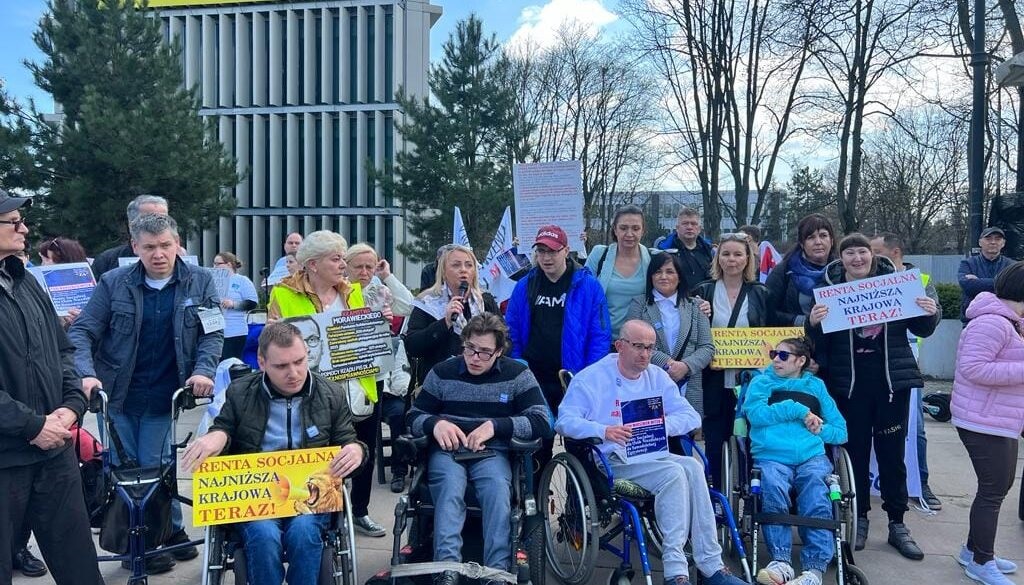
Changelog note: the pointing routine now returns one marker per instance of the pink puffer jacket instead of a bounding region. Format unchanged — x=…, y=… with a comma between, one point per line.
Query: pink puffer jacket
x=988, y=390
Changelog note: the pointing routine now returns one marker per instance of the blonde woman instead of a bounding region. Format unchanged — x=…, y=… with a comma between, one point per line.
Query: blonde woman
x=440, y=312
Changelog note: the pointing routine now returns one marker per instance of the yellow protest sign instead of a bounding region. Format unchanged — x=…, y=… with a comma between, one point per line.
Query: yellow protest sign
x=748, y=347
x=259, y=486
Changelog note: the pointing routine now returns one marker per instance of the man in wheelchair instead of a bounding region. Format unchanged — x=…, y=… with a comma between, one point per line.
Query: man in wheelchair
x=479, y=400
x=591, y=409
x=284, y=406
x=791, y=418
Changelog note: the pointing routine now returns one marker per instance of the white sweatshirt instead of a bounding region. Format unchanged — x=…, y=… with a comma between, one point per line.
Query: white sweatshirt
x=590, y=406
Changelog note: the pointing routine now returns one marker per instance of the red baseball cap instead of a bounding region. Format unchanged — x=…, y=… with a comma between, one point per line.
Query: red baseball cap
x=552, y=236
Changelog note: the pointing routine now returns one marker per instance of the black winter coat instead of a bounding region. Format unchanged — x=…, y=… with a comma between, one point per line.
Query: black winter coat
x=834, y=351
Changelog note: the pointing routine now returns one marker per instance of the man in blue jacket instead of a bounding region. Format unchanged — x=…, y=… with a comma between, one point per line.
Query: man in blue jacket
x=557, y=318
x=149, y=329
x=686, y=242
x=978, y=273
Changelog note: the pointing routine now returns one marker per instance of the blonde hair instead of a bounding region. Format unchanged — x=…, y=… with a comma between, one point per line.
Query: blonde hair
x=320, y=244
x=749, y=271
x=360, y=248
x=442, y=261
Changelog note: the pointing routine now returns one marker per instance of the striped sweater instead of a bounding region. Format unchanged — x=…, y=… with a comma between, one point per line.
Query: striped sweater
x=507, y=394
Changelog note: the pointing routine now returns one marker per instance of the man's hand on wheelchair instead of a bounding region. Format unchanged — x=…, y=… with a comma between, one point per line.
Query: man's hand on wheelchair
x=209, y=444
x=449, y=436
x=617, y=434
x=348, y=459
x=201, y=385
x=480, y=435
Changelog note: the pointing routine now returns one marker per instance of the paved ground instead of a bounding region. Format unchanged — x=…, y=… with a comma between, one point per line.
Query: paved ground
x=939, y=535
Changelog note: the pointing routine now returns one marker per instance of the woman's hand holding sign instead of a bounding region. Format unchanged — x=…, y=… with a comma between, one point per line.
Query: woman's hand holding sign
x=818, y=314
x=927, y=304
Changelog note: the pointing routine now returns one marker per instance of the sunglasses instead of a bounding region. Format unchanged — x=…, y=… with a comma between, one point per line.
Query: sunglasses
x=781, y=354
x=735, y=237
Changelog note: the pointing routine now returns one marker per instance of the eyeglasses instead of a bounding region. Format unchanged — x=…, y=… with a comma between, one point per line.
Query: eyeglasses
x=17, y=223
x=220, y=263
x=312, y=341
x=781, y=354
x=641, y=346
x=470, y=351
x=546, y=251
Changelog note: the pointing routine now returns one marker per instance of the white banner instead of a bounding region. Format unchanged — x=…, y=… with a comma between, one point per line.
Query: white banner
x=549, y=193
x=459, y=235
x=909, y=458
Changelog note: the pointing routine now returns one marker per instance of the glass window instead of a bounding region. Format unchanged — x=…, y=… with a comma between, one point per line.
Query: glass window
x=389, y=56
x=371, y=58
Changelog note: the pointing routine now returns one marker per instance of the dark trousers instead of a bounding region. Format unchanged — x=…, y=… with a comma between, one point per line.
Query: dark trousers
x=362, y=482
x=48, y=497
x=872, y=416
x=233, y=347
x=995, y=463
x=393, y=412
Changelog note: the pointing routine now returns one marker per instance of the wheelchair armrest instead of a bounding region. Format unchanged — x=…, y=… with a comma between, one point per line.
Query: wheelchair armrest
x=407, y=448
x=589, y=441
x=525, y=445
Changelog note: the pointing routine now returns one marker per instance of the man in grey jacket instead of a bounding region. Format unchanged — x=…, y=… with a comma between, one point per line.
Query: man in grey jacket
x=149, y=329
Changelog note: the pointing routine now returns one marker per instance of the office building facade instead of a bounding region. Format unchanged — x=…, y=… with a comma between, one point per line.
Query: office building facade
x=302, y=94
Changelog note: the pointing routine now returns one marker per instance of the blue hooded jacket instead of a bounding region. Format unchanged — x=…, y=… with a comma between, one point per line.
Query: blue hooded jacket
x=777, y=431
x=586, y=333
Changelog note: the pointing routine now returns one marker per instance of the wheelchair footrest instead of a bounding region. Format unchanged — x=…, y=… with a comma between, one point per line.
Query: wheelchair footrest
x=468, y=570
x=801, y=521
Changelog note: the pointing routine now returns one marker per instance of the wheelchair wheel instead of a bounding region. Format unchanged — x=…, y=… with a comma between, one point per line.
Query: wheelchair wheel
x=938, y=404
x=214, y=556
x=570, y=515
x=653, y=535
x=731, y=479
x=854, y=576
x=844, y=469
x=535, y=555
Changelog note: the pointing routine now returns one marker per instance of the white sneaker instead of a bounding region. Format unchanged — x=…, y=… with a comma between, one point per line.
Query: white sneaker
x=805, y=578
x=987, y=574
x=776, y=573
x=967, y=557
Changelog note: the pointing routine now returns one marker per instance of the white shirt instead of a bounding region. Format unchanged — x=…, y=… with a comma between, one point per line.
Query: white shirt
x=669, y=317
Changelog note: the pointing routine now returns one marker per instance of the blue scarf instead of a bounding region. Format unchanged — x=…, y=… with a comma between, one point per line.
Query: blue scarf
x=804, y=274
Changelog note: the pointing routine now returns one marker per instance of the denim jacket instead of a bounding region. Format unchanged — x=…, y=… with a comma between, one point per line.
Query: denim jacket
x=106, y=333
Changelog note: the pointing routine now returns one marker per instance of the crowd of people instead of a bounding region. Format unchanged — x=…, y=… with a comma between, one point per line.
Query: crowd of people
x=631, y=321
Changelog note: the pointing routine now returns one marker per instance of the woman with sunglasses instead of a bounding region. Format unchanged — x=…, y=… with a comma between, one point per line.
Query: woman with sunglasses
x=620, y=266
x=241, y=298
x=61, y=250
x=433, y=331
x=791, y=283
x=682, y=331
x=733, y=297
x=870, y=371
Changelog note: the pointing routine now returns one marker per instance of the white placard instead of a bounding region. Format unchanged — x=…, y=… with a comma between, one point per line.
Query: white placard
x=871, y=301
x=549, y=193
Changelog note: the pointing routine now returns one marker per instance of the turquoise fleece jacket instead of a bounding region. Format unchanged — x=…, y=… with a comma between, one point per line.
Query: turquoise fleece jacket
x=777, y=431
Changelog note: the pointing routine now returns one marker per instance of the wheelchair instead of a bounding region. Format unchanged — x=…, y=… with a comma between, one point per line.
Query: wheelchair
x=412, y=561
x=742, y=483
x=585, y=509
x=134, y=518
x=225, y=552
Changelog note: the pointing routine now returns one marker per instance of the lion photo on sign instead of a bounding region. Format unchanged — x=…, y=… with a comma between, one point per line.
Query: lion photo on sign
x=324, y=495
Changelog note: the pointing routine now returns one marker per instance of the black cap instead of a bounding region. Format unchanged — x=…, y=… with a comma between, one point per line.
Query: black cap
x=9, y=203
x=992, y=230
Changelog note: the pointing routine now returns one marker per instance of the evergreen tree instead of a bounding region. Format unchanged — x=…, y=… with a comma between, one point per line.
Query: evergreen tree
x=463, y=144
x=18, y=169
x=130, y=125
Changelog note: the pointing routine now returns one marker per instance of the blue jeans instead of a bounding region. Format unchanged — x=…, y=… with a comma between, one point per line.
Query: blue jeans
x=492, y=482
x=268, y=541
x=812, y=501
x=147, y=440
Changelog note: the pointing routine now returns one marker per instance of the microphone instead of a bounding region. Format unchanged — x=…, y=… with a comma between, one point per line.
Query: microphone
x=463, y=289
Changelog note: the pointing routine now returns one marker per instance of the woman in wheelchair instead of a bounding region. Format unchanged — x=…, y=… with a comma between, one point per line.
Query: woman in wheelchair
x=791, y=418
x=258, y=417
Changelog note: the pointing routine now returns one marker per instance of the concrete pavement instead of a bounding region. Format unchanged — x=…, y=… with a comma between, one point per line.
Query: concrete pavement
x=939, y=534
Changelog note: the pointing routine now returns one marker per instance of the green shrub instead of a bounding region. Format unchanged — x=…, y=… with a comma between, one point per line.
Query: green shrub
x=949, y=299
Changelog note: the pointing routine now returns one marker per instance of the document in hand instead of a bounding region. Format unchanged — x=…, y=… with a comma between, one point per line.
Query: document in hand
x=646, y=418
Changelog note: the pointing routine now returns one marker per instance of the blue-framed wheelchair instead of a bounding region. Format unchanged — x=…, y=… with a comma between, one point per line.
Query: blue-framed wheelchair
x=585, y=510
x=413, y=546
x=742, y=485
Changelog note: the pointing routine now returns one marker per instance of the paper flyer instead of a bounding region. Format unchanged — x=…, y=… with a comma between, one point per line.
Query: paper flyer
x=646, y=418
x=69, y=285
x=259, y=486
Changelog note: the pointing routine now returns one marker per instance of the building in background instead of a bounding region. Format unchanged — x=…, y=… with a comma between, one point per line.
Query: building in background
x=302, y=94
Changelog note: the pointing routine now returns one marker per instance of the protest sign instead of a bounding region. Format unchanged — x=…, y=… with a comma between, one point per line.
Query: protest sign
x=357, y=342
x=748, y=347
x=645, y=417
x=549, y=193
x=871, y=301
x=68, y=285
x=222, y=281
x=495, y=278
x=260, y=486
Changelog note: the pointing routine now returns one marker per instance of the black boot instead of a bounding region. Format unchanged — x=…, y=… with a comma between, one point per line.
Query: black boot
x=28, y=564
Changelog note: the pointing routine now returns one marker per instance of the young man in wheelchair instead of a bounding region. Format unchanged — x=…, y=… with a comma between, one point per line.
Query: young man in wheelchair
x=591, y=409
x=479, y=400
x=283, y=407
x=792, y=418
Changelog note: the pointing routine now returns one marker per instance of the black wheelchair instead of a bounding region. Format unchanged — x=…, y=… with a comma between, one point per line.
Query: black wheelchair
x=413, y=547
x=135, y=518
x=742, y=484
x=585, y=509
